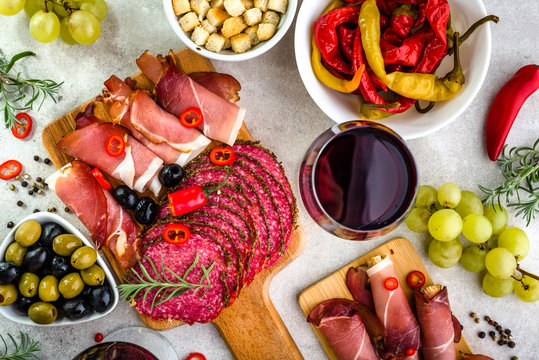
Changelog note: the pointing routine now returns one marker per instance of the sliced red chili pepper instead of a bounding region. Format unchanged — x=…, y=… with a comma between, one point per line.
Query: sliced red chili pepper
x=391, y=283
x=196, y=356
x=191, y=117
x=176, y=234
x=101, y=179
x=10, y=169
x=415, y=279
x=22, y=128
x=410, y=352
x=222, y=156
x=115, y=145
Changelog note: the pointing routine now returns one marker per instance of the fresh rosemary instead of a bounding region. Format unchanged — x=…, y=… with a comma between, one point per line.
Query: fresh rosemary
x=137, y=283
x=22, y=351
x=13, y=89
x=520, y=168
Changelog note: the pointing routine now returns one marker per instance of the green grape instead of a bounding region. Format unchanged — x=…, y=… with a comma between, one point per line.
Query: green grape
x=97, y=7
x=445, y=225
x=58, y=9
x=33, y=6
x=500, y=263
x=449, y=195
x=516, y=241
x=445, y=254
x=527, y=289
x=476, y=228
x=497, y=217
x=497, y=287
x=469, y=204
x=418, y=219
x=83, y=27
x=426, y=196
x=45, y=26
x=64, y=33
x=473, y=258
x=11, y=7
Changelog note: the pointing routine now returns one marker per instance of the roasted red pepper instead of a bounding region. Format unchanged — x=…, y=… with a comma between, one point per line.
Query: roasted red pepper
x=101, y=179
x=415, y=279
x=408, y=53
x=22, y=128
x=191, y=117
x=346, y=41
x=437, y=13
x=506, y=105
x=176, y=234
x=115, y=145
x=401, y=22
x=222, y=156
x=10, y=169
x=391, y=283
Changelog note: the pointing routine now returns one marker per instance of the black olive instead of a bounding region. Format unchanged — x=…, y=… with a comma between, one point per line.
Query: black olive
x=60, y=266
x=9, y=272
x=101, y=297
x=171, y=175
x=146, y=210
x=77, y=308
x=23, y=304
x=36, y=259
x=49, y=231
x=126, y=197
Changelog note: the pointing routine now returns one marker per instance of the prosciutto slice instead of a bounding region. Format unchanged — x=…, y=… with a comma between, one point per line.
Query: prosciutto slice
x=341, y=325
x=177, y=92
x=392, y=308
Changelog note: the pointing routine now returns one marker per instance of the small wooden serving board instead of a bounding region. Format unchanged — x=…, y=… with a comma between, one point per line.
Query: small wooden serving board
x=333, y=286
x=251, y=327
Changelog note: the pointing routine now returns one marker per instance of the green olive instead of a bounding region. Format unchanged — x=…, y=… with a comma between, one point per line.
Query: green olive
x=48, y=289
x=42, y=313
x=93, y=276
x=15, y=252
x=8, y=294
x=66, y=244
x=71, y=285
x=83, y=258
x=28, y=233
x=29, y=285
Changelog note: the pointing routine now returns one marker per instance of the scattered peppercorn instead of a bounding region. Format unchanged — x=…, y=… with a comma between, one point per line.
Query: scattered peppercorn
x=66, y=209
x=36, y=158
x=495, y=324
x=12, y=187
x=33, y=184
x=47, y=161
x=26, y=176
x=510, y=337
x=39, y=179
x=487, y=318
x=473, y=315
x=42, y=186
x=481, y=334
x=514, y=358
x=98, y=337
x=20, y=203
x=500, y=342
x=499, y=328
x=495, y=338
x=461, y=327
x=18, y=177
x=24, y=184
x=30, y=192
x=477, y=320
x=511, y=344
x=492, y=333
x=52, y=209
x=504, y=338
x=490, y=322
x=10, y=225
x=40, y=191
x=507, y=331
x=36, y=211
x=35, y=189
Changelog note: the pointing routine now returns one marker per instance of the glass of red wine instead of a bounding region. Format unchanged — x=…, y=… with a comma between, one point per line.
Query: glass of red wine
x=358, y=180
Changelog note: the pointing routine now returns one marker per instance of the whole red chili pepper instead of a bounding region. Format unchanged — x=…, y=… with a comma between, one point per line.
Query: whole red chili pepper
x=506, y=105
x=346, y=41
x=401, y=21
x=408, y=53
x=433, y=53
x=420, y=19
x=366, y=87
x=437, y=13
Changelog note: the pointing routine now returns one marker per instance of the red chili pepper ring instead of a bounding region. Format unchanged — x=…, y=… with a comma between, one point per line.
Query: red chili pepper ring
x=222, y=156
x=10, y=169
x=176, y=234
x=22, y=128
x=391, y=283
x=191, y=117
x=115, y=145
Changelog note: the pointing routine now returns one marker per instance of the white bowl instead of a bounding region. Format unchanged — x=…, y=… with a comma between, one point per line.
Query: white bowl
x=474, y=57
x=43, y=217
x=229, y=55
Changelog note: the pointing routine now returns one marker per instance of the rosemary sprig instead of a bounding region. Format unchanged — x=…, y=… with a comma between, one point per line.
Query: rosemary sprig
x=14, y=88
x=141, y=284
x=520, y=168
x=22, y=351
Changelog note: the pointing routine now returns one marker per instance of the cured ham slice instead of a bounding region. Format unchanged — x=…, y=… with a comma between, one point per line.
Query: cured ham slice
x=224, y=85
x=392, y=308
x=357, y=281
x=343, y=328
x=177, y=92
x=434, y=315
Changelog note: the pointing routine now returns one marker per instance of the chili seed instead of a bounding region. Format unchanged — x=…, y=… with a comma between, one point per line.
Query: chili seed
x=47, y=161
x=26, y=176
x=39, y=179
x=473, y=315
x=511, y=344
x=18, y=177
x=492, y=333
x=12, y=187
x=40, y=191
x=36, y=158
x=10, y=225
x=481, y=334
x=36, y=211
x=20, y=203
x=66, y=209
x=30, y=192
x=477, y=320
x=24, y=184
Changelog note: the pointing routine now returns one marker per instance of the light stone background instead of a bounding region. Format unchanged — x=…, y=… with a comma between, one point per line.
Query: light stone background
x=283, y=116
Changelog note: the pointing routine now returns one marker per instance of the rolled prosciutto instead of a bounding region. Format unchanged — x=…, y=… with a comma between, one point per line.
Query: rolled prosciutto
x=434, y=315
x=392, y=308
x=341, y=325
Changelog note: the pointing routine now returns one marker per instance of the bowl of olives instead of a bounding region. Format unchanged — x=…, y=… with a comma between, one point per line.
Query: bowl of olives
x=51, y=275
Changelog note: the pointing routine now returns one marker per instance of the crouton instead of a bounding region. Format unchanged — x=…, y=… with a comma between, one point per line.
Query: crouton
x=216, y=16
x=200, y=36
x=233, y=26
x=218, y=4
x=240, y=43
x=234, y=7
x=180, y=7
x=251, y=31
x=189, y=21
x=248, y=4
x=228, y=43
x=252, y=16
x=278, y=5
x=215, y=42
x=265, y=31
x=262, y=5
x=201, y=7
x=271, y=17
x=208, y=27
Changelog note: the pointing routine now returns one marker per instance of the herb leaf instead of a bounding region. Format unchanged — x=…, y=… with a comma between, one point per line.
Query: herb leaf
x=23, y=350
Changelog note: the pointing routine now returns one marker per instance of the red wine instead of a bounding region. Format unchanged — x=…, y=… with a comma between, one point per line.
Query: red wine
x=365, y=178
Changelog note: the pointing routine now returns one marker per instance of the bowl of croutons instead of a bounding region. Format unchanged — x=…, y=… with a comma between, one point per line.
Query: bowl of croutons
x=230, y=30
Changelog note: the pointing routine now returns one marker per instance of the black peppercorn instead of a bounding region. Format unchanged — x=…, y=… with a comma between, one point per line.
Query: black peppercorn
x=499, y=328
x=36, y=211
x=487, y=318
x=461, y=327
x=500, y=342
x=492, y=333
x=47, y=161
x=514, y=358
x=495, y=324
x=10, y=225
x=481, y=334
x=473, y=315
x=66, y=209
x=36, y=158
x=20, y=203
x=477, y=320
x=507, y=331
x=30, y=192
x=38, y=179
x=24, y=183
x=511, y=344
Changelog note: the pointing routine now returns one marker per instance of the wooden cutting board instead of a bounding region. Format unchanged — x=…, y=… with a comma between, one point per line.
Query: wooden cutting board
x=333, y=286
x=251, y=327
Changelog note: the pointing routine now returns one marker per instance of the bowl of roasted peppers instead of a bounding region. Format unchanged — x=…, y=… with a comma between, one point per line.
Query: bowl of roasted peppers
x=413, y=65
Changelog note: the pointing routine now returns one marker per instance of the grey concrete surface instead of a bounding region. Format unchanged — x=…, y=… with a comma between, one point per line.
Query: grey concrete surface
x=283, y=116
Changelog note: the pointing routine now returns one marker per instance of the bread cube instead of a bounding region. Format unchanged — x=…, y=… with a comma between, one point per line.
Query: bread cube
x=216, y=16
x=248, y=4
x=251, y=31
x=233, y=26
x=234, y=7
x=200, y=36
x=201, y=7
x=271, y=17
x=278, y=5
x=240, y=43
x=228, y=43
x=252, y=16
x=265, y=31
x=215, y=42
x=208, y=27
x=189, y=21
x=262, y=5
x=180, y=7
x=218, y=4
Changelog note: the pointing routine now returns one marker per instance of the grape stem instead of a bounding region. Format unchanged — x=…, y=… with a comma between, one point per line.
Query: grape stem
x=61, y=3
x=524, y=272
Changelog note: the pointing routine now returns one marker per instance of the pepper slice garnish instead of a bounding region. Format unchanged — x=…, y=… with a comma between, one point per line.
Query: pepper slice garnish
x=391, y=283
x=176, y=234
x=22, y=128
x=10, y=169
x=191, y=117
x=415, y=279
x=115, y=145
x=196, y=356
x=410, y=352
x=101, y=179
x=222, y=156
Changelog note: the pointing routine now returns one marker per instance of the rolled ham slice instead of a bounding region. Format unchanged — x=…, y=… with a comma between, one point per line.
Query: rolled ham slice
x=392, y=308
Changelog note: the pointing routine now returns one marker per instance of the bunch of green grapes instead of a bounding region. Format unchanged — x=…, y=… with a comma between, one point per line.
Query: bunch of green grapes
x=74, y=21
x=447, y=213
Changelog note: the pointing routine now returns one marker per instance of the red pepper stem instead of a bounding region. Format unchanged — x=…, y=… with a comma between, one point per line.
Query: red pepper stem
x=207, y=192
